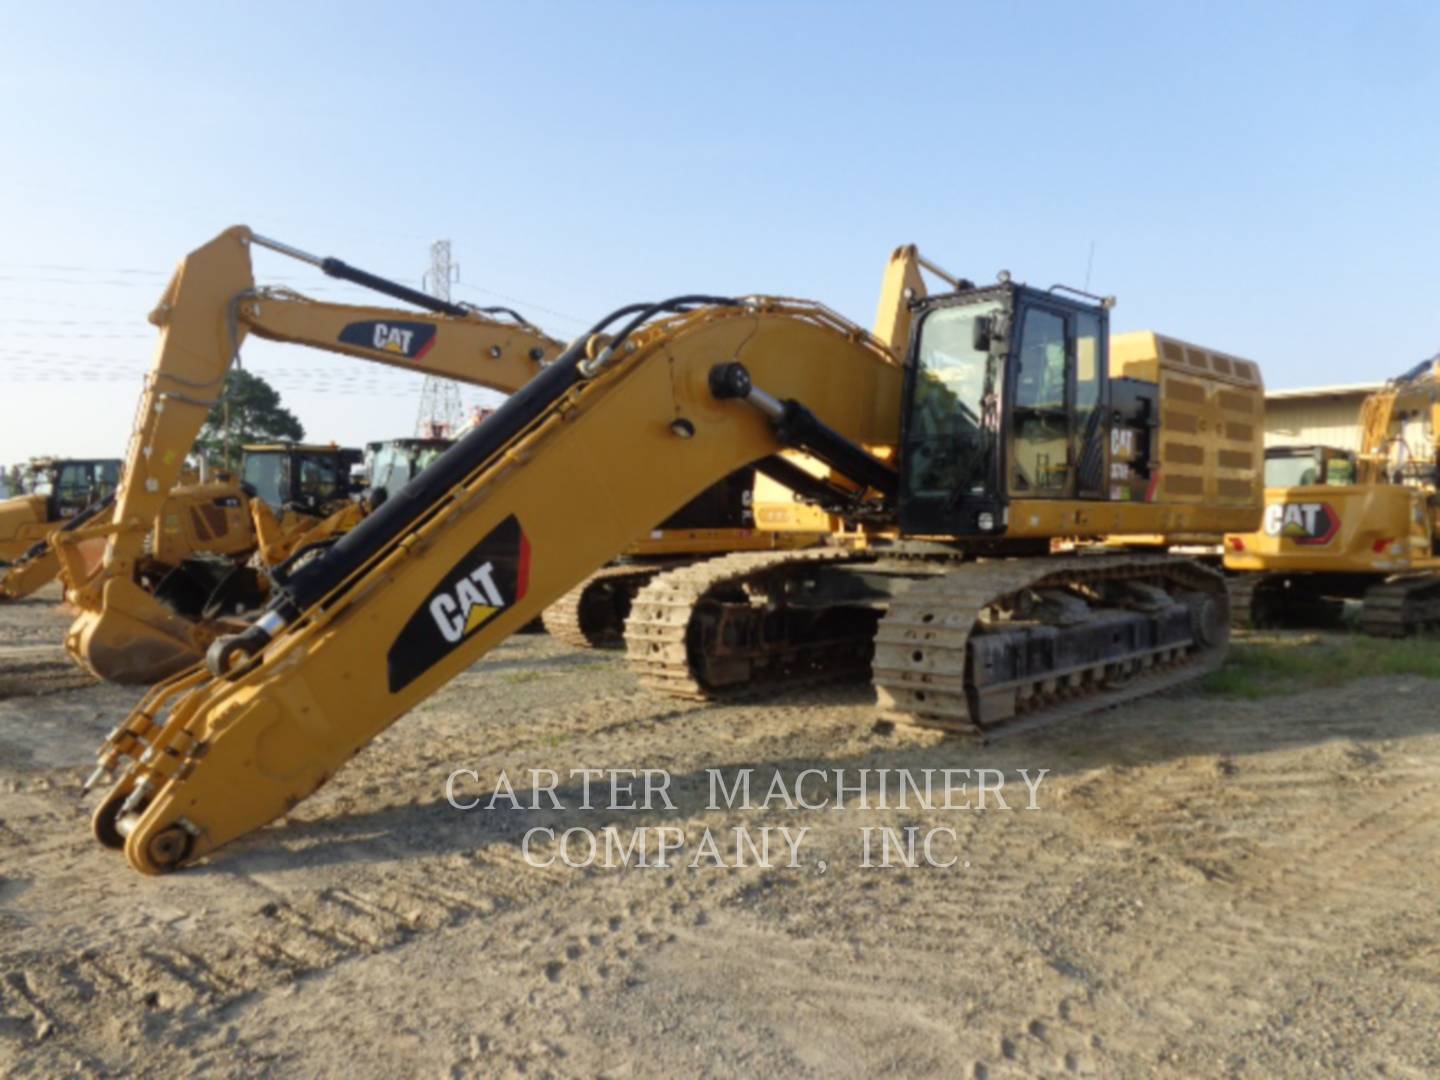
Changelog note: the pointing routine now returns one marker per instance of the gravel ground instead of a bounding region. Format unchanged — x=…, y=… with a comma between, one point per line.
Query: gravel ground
x=1208, y=887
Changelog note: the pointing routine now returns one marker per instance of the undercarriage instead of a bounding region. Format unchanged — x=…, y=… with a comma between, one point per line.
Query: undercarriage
x=975, y=647
x=1395, y=606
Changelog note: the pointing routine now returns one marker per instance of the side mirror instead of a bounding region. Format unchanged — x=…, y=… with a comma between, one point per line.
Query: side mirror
x=982, y=331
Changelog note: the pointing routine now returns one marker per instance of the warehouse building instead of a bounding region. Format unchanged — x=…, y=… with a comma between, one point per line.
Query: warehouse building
x=1322, y=415
x=1330, y=416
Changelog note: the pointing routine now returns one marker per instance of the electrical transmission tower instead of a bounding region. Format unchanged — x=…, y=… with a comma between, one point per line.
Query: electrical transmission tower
x=441, y=412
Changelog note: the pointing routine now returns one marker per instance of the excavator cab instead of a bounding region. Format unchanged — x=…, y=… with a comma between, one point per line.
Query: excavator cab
x=1006, y=395
x=70, y=485
x=391, y=463
x=293, y=476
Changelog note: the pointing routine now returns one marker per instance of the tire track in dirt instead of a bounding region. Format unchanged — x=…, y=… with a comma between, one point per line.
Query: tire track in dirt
x=1319, y=872
x=37, y=670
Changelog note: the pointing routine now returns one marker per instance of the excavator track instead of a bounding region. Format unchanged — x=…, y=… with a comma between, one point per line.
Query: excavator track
x=592, y=615
x=1402, y=606
x=723, y=628
x=973, y=653
x=1245, y=590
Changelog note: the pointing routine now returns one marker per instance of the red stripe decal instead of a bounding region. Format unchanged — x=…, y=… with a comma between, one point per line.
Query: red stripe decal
x=1150, y=487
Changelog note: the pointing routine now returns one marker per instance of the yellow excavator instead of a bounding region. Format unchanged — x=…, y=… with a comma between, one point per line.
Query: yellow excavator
x=124, y=632
x=1341, y=526
x=1009, y=423
x=57, y=493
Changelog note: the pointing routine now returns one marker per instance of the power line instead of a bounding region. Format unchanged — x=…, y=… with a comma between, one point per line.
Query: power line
x=528, y=305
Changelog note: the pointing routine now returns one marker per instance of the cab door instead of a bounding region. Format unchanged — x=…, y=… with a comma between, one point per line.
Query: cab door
x=950, y=473
x=1058, y=434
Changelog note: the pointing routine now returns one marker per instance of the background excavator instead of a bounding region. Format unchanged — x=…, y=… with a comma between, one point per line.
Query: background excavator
x=55, y=493
x=1342, y=526
x=205, y=532
x=1009, y=423
x=53, y=490
x=125, y=632
x=58, y=494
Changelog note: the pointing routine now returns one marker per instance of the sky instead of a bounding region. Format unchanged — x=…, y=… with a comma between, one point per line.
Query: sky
x=1257, y=178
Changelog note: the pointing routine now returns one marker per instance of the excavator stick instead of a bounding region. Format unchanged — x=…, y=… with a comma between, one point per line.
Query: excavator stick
x=468, y=553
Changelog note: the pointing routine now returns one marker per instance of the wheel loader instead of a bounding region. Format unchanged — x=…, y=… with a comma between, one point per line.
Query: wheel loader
x=1010, y=421
x=1341, y=527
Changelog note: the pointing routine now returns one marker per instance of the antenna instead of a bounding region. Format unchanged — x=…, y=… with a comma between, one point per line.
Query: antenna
x=1089, y=265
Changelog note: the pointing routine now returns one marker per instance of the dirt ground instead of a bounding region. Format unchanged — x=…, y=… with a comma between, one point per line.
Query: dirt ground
x=1210, y=886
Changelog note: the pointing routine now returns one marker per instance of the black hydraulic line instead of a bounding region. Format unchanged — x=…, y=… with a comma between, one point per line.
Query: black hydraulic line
x=674, y=304
x=618, y=313
x=339, y=268
x=500, y=309
x=1415, y=372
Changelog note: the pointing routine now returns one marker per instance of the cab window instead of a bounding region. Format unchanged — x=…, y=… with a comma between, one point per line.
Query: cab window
x=319, y=481
x=78, y=486
x=269, y=475
x=1293, y=470
x=108, y=477
x=1340, y=470
x=390, y=470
